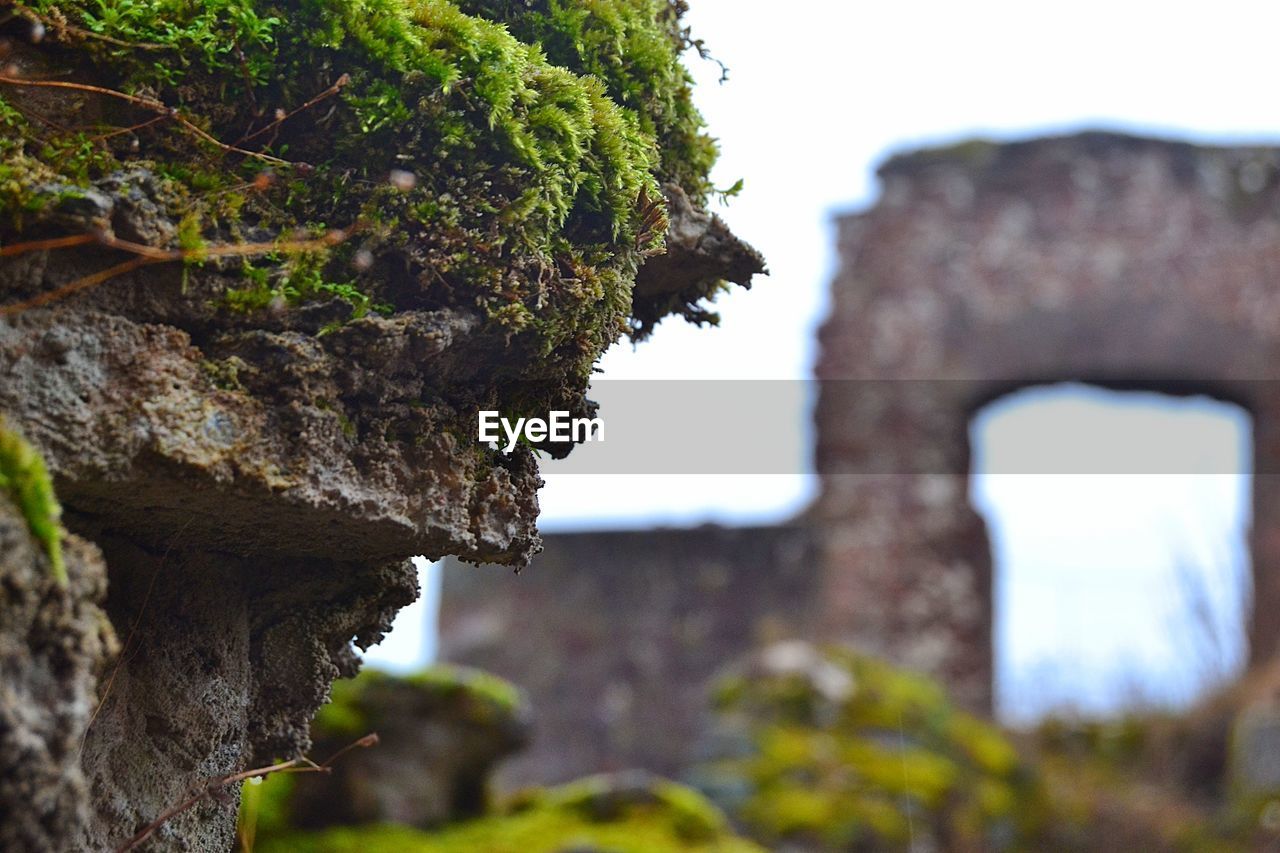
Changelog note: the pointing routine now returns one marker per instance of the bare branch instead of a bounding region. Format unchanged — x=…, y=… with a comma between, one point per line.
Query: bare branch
x=215, y=787
x=146, y=255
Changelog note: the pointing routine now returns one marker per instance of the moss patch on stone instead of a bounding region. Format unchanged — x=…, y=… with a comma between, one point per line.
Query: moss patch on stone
x=593, y=814
x=469, y=692
x=25, y=478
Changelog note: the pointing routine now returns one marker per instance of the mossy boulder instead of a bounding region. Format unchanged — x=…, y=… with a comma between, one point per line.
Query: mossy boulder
x=1197, y=780
x=827, y=749
x=502, y=158
x=407, y=210
x=440, y=733
x=625, y=813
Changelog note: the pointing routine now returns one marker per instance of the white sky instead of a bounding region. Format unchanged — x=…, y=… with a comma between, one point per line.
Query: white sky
x=1113, y=588
x=821, y=92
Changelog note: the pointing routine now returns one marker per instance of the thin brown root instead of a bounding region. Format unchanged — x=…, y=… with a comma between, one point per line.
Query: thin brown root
x=43, y=245
x=148, y=104
x=76, y=286
x=327, y=93
x=146, y=255
x=215, y=787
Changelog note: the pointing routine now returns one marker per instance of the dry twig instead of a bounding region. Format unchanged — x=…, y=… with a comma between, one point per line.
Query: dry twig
x=216, y=786
x=146, y=255
x=327, y=93
x=147, y=104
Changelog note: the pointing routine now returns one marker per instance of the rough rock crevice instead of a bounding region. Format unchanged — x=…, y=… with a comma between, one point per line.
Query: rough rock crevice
x=54, y=642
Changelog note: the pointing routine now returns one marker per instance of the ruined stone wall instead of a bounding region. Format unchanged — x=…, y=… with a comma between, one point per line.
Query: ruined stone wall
x=616, y=636
x=1134, y=263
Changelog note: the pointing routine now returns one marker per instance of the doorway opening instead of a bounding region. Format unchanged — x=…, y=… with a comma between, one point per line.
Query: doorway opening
x=1118, y=523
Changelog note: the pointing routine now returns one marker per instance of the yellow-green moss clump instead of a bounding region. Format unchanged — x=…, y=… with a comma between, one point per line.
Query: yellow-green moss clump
x=838, y=751
x=467, y=694
x=26, y=480
x=594, y=814
x=500, y=158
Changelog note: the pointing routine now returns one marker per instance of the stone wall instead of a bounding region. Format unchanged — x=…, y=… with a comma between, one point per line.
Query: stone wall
x=617, y=635
x=1131, y=263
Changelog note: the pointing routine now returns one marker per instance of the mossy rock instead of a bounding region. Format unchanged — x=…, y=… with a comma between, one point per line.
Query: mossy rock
x=628, y=813
x=1154, y=780
x=461, y=692
x=441, y=732
x=833, y=750
x=315, y=162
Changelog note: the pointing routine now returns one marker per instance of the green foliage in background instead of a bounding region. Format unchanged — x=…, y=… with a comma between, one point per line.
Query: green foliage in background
x=838, y=751
x=661, y=817
x=468, y=694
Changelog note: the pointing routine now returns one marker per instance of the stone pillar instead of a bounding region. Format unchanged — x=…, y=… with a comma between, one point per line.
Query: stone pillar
x=905, y=560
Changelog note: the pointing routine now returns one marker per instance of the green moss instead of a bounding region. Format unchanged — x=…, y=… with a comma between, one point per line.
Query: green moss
x=847, y=752
x=446, y=680
x=634, y=47
x=666, y=819
x=294, y=279
x=24, y=476
x=475, y=694
x=496, y=159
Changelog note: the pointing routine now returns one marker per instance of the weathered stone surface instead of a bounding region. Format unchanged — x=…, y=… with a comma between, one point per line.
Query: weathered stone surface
x=701, y=254
x=224, y=662
x=1133, y=263
x=130, y=417
x=251, y=527
x=54, y=643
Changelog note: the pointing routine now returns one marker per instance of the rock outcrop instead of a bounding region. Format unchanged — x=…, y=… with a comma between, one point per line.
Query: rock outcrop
x=261, y=265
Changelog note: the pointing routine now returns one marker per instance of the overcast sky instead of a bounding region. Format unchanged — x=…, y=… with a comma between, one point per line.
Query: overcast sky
x=819, y=93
